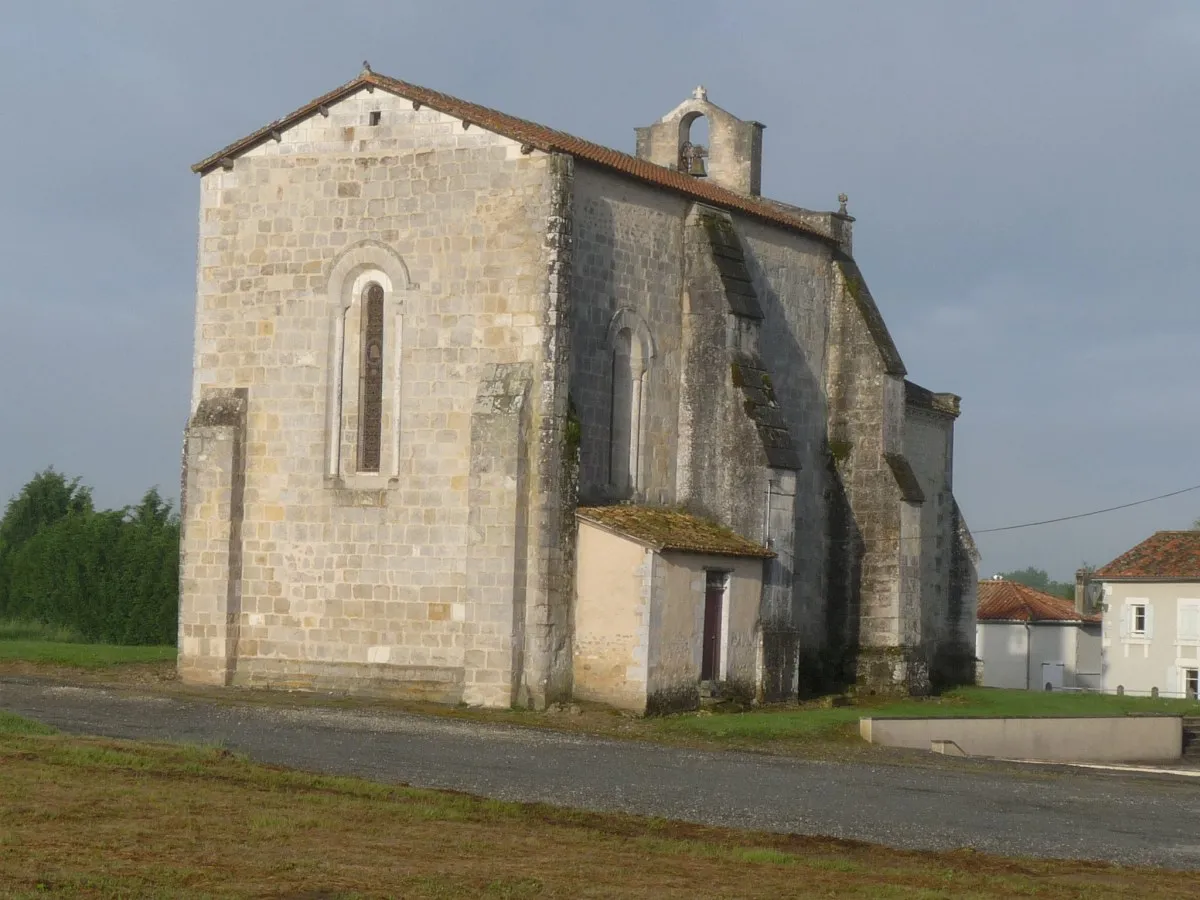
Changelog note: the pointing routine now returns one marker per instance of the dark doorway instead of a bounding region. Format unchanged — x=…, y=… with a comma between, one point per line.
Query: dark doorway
x=714, y=612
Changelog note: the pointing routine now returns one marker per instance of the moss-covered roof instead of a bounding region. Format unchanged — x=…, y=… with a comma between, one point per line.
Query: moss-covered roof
x=672, y=529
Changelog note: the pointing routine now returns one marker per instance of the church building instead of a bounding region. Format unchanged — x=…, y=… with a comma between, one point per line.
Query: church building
x=483, y=412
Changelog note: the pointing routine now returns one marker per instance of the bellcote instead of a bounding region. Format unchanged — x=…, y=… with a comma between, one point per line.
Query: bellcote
x=733, y=158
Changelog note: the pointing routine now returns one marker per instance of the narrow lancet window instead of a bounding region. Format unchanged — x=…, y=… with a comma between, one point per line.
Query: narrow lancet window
x=628, y=396
x=370, y=380
x=621, y=438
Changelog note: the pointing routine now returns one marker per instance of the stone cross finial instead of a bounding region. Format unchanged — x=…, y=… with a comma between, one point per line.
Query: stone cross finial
x=843, y=200
x=700, y=93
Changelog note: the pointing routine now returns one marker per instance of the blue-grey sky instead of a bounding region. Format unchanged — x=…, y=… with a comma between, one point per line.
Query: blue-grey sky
x=1024, y=177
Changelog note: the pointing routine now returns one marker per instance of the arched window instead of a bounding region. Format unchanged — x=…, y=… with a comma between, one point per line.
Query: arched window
x=370, y=380
x=630, y=370
x=621, y=431
x=365, y=286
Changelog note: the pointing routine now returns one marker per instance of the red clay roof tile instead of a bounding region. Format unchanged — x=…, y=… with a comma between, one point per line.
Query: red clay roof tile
x=1010, y=601
x=1164, y=556
x=535, y=136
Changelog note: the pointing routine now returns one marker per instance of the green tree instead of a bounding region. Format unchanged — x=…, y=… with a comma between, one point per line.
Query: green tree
x=112, y=575
x=1039, y=579
x=47, y=498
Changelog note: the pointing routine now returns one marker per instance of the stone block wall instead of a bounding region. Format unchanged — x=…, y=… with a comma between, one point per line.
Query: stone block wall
x=212, y=513
x=498, y=531
x=349, y=575
x=793, y=283
x=627, y=271
x=879, y=537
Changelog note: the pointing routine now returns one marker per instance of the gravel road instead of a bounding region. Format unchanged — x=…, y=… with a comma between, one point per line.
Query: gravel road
x=1059, y=813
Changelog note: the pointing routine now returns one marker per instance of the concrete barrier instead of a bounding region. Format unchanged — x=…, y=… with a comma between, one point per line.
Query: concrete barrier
x=1099, y=739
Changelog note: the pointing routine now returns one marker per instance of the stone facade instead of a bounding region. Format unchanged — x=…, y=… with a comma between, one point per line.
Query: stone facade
x=426, y=332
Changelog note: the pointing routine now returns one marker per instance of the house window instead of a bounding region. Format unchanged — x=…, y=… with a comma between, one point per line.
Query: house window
x=1191, y=683
x=1137, y=620
x=370, y=381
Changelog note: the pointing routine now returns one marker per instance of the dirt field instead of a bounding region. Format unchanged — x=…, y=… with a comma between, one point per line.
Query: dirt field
x=98, y=818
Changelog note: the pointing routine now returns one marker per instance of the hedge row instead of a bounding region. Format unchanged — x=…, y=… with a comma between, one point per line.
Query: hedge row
x=111, y=575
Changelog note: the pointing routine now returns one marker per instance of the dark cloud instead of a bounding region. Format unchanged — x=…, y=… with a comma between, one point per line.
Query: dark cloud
x=1023, y=177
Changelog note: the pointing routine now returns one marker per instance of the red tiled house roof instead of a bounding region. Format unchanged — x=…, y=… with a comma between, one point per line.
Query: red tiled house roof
x=1164, y=556
x=533, y=136
x=1009, y=601
x=671, y=529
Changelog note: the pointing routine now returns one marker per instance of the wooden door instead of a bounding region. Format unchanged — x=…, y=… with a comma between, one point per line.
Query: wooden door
x=714, y=607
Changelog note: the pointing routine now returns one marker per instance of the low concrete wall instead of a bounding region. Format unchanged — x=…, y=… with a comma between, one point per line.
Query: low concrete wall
x=1109, y=739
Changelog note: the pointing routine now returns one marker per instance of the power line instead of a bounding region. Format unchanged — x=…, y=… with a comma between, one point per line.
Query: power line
x=1094, y=512
x=923, y=538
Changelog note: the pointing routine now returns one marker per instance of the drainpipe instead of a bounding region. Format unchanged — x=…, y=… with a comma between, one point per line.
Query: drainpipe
x=1028, y=642
x=767, y=514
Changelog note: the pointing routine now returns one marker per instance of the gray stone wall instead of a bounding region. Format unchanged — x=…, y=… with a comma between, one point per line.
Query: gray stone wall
x=947, y=565
x=627, y=271
x=876, y=541
x=927, y=447
x=792, y=280
x=356, y=577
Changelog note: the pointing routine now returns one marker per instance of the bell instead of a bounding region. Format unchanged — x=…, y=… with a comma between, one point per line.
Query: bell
x=691, y=159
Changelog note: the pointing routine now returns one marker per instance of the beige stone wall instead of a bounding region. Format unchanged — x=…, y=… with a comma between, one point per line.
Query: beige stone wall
x=344, y=569
x=210, y=538
x=677, y=629
x=614, y=580
x=1158, y=657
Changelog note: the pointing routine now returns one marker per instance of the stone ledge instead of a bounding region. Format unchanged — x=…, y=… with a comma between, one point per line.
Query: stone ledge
x=437, y=684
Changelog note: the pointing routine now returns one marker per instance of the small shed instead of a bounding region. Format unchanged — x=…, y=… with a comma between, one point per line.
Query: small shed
x=665, y=603
x=1031, y=640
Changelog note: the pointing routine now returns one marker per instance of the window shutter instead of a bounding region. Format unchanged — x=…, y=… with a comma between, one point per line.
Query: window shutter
x=1189, y=622
x=1149, y=621
x=1126, y=618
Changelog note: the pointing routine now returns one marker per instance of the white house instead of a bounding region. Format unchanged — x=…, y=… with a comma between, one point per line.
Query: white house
x=1034, y=641
x=1150, y=599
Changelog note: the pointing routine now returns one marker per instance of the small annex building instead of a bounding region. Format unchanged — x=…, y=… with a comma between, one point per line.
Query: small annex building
x=1030, y=640
x=666, y=605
